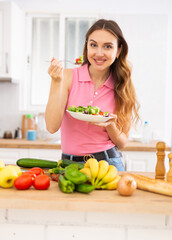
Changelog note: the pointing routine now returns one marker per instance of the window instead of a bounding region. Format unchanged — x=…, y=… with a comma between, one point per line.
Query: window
x=49, y=36
x=76, y=29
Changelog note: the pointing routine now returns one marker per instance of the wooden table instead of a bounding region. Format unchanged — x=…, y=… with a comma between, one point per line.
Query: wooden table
x=98, y=200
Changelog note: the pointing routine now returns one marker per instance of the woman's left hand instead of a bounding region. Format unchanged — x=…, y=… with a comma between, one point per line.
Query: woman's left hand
x=105, y=124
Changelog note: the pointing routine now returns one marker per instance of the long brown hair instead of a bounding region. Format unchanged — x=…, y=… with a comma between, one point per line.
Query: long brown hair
x=126, y=102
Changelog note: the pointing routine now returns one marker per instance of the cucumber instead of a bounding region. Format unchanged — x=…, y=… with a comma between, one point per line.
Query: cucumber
x=33, y=162
x=66, y=162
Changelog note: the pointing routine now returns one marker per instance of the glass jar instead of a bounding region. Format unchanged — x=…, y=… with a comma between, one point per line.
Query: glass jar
x=30, y=125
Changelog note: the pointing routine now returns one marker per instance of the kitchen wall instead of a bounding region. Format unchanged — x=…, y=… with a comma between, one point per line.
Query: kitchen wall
x=153, y=87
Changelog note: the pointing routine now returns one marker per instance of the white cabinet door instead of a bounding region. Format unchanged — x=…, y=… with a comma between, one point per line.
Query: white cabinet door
x=49, y=154
x=142, y=161
x=1, y=41
x=137, y=161
x=11, y=42
x=11, y=155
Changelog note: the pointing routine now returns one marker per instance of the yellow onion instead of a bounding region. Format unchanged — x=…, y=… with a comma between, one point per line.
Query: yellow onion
x=126, y=185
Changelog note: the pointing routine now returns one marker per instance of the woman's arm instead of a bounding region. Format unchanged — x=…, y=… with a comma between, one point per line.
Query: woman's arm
x=119, y=138
x=60, y=85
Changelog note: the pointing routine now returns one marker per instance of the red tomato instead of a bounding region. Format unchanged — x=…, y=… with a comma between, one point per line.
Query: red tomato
x=55, y=177
x=23, y=182
x=41, y=182
x=101, y=113
x=77, y=60
x=37, y=170
x=32, y=174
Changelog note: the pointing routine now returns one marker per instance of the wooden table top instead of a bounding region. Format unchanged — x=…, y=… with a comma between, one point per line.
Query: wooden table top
x=96, y=201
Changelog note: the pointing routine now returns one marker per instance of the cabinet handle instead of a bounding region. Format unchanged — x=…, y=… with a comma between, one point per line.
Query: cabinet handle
x=6, y=62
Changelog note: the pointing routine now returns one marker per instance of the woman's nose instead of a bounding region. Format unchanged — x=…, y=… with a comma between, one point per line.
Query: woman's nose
x=99, y=51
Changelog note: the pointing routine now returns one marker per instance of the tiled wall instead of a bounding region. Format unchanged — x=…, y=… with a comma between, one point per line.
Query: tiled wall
x=68, y=225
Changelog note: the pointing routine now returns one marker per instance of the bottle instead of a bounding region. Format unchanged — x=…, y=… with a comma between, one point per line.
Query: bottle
x=18, y=133
x=146, y=133
x=41, y=127
x=30, y=127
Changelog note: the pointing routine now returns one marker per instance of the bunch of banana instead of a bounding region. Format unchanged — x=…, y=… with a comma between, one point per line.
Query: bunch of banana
x=101, y=174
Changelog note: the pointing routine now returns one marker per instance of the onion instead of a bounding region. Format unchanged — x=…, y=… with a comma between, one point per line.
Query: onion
x=126, y=185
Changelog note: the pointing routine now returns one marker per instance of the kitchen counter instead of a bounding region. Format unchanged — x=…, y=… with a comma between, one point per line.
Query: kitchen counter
x=98, y=200
x=49, y=144
x=97, y=215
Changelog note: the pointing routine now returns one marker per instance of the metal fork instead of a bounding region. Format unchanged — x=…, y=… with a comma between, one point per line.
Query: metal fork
x=62, y=61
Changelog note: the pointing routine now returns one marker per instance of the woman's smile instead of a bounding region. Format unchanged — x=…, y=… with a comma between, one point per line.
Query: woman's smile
x=99, y=61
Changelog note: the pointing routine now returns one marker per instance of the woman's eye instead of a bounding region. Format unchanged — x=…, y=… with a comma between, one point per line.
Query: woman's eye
x=93, y=45
x=108, y=46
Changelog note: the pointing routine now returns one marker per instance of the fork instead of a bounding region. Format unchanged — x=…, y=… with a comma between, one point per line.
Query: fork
x=63, y=61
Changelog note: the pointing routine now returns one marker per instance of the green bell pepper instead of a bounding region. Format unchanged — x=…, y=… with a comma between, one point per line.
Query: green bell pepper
x=57, y=170
x=74, y=175
x=65, y=185
x=84, y=188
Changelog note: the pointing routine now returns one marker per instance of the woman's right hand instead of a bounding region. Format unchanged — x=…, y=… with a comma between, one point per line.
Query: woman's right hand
x=55, y=70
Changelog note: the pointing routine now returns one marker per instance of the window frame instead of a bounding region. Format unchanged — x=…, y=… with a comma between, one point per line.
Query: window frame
x=25, y=85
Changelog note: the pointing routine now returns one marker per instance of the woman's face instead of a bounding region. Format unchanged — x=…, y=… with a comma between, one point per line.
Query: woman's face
x=102, y=49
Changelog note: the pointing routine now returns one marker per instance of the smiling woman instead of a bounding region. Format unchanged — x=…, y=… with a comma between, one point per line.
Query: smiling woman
x=149, y=52
x=103, y=80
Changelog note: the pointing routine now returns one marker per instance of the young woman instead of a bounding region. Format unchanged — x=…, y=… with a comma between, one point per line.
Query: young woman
x=103, y=80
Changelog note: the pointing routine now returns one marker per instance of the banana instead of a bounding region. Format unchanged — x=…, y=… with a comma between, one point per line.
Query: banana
x=103, y=168
x=86, y=171
x=110, y=175
x=111, y=185
x=87, y=165
x=93, y=164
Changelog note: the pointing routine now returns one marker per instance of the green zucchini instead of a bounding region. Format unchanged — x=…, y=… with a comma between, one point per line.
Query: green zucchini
x=66, y=162
x=33, y=162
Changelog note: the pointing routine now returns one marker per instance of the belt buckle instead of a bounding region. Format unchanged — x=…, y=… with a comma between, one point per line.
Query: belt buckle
x=86, y=157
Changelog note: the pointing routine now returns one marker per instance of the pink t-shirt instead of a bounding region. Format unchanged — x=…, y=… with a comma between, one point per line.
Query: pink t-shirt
x=79, y=137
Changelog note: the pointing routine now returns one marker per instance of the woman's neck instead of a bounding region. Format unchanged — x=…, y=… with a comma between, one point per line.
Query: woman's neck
x=98, y=77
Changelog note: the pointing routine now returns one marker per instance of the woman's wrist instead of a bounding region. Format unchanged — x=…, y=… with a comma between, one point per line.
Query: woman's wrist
x=118, y=137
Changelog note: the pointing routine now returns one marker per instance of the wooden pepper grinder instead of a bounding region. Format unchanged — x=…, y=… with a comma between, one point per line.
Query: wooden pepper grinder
x=169, y=174
x=160, y=166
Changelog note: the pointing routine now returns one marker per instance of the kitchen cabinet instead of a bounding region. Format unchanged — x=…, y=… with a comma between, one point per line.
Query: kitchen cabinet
x=136, y=156
x=11, y=42
x=11, y=155
x=133, y=160
x=142, y=161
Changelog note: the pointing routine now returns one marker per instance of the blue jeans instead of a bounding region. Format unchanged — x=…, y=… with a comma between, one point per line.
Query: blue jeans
x=116, y=161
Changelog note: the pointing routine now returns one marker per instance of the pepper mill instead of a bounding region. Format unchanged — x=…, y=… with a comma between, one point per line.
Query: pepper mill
x=169, y=174
x=160, y=166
